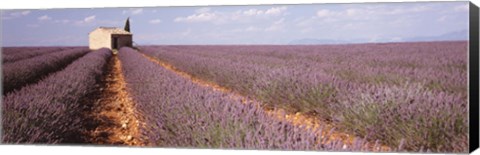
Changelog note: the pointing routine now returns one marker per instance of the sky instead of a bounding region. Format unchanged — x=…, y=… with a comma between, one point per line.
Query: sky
x=248, y=24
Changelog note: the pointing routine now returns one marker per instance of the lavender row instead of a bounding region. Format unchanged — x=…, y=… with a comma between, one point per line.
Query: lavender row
x=48, y=112
x=179, y=113
x=23, y=72
x=9, y=58
x=349, y=85
x=15, y=50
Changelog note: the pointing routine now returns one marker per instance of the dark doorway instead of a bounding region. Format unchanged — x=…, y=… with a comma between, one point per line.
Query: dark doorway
x=115, y=43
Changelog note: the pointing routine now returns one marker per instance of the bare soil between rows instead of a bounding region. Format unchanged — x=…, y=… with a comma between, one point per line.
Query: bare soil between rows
x=113, y=118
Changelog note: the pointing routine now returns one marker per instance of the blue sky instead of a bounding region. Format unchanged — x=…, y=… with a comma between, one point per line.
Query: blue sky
x=260, y=24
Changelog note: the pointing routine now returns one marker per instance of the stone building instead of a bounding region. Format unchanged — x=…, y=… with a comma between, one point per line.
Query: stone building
x=109, y=37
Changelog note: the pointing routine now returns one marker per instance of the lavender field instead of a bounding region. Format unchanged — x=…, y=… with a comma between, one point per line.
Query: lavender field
x=410, y=92
x=385, y=97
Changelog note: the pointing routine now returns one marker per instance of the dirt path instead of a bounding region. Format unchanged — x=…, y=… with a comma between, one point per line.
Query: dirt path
x=116, y=120
x=297, y=119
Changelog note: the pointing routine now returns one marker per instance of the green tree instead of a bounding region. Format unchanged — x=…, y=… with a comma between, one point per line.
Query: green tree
x=127, y=25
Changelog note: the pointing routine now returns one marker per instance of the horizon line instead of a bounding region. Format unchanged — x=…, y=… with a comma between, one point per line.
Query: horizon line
x=285, y=44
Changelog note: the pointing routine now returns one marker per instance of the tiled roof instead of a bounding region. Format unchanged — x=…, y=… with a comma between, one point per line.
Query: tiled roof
x=113, y=30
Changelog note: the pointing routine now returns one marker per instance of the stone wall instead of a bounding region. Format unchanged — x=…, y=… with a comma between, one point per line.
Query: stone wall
x=99, y=39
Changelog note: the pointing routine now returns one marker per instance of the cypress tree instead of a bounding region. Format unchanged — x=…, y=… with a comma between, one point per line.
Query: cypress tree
x=127, y=25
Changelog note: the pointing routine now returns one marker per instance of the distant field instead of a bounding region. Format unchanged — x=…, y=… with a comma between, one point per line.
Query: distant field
x=401, y=96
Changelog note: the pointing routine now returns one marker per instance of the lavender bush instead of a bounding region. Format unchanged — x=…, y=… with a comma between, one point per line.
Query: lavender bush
x=389, y=91
x=25, y=53
x=49, y=111
x=16, y=50
x=26, y=71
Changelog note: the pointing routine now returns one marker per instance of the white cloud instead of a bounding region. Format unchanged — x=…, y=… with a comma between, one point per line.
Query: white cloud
x=133, y=11
x=323, y=13
x=276, y=10
x=65, y=21
x=362, y=13
x=15, y=14
x=155, y=21
x=404, y=10
x=137, y=11
x=252, y=12
x=20, y=13
x=463, y=7
x=44, y=18
x=25, y=13
x=89, y=19
x=239, y=16
x=202, y=10
x=200, y=17
x=352, y=13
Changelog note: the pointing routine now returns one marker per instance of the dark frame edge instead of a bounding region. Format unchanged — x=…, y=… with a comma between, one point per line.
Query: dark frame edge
x=473, y=77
